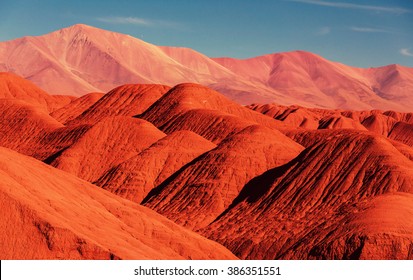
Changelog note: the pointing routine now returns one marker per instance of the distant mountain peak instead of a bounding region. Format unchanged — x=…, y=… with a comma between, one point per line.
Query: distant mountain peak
x=80, y=59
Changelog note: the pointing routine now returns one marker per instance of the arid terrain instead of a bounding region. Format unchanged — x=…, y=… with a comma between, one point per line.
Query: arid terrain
x=113, y=148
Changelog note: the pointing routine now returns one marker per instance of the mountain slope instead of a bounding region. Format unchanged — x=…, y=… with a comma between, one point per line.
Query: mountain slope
x=82, y=59
x=50, y=214
x=316, y=82
x=15, y=87
x=203, y=111
x=76, y=107
x=340, y=198
x=196, y=194
x=105, y=145
x=136, y=177
x=22, y=125
x=126, y=100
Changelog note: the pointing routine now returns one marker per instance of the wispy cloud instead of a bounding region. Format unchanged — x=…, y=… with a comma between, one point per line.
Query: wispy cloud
x=324, y=31
x=369, y=30
x=142, y=22
x=124, y=20
x=345, y=5
x=406, y=52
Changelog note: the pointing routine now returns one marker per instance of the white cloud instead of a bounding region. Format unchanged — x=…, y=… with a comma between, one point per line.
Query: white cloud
x=406, y=52
x=324, y=31
x=125, y=20
x=344, y=5
x=369, y=30
x=143, y=22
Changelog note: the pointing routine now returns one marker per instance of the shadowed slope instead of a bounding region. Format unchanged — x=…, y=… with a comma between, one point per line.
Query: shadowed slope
x=394, y=125
x=368, y=230
x=135, y=177
x=204, y=111
x=59, y=101
x=402, y=117
x=405, y=150
x=189, y=96
x=313, y=118
x=126, y=100
x=23, y=125
x=199, y=192
x=31, y=131
x=107, y=144
x=293, y=116
x=296, y=211
x=308, y=138
x=210, y=124
x=50, y=214
x=76, y=107
x=338, y=121
x=379, y=123
x=402, y=132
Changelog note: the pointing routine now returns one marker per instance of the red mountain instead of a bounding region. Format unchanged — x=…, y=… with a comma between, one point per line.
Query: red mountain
x=342, y=198
x=76, y=107
x=15, y=87
x=50, y=214
x=126, y=100
x=284, y=182
x=136, y=177
x=105, y=145
x=198, y=193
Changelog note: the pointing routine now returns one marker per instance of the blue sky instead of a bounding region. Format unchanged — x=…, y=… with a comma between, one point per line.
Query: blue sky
x=359, y=33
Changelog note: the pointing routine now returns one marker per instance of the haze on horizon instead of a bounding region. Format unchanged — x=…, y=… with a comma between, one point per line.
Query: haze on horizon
x=358, y=33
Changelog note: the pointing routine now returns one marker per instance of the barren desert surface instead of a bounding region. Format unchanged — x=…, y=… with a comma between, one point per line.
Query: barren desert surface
x=114, y=148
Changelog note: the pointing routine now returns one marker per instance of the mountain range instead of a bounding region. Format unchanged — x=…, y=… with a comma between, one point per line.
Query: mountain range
x=81, y=59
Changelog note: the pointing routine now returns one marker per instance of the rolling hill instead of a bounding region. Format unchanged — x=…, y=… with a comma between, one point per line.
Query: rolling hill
x=50, y=214
x=266, y=181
